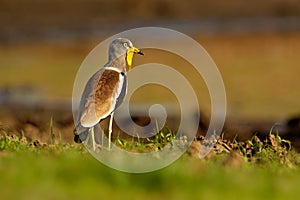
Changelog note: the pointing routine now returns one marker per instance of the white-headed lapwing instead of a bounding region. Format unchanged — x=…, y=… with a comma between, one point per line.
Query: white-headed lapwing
x=105, y=90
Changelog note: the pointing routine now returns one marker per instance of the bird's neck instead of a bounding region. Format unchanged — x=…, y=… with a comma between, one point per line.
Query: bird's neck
x=118, y=62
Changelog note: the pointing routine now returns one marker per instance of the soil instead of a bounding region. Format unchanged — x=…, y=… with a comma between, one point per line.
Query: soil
x=34, y=123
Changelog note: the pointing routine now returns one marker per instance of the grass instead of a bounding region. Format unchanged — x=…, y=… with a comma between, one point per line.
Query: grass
x=264, y=169
x=154, y=143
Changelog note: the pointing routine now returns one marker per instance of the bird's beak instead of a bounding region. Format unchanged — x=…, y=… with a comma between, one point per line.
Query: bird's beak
x=130, y=52
x=138, y=51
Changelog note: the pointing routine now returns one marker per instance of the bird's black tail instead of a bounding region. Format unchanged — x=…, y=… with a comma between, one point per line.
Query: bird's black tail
x=81, y=136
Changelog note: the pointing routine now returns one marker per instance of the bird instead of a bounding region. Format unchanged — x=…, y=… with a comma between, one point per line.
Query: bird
x=105, y=90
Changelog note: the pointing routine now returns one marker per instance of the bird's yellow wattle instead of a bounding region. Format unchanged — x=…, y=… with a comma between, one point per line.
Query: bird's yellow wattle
x=129, y=58
x=130, y=52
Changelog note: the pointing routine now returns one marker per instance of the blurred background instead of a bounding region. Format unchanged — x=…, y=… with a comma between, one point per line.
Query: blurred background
x=255, y=44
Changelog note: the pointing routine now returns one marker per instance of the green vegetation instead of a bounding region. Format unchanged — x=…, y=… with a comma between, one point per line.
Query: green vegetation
x=155, y=143
x=250, y=170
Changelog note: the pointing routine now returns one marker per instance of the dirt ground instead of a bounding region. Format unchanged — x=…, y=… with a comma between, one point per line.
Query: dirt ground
x=34, y=123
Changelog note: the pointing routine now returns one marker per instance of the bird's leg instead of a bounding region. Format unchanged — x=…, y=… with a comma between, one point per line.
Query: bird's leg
x=93, y=138
x=110, y=129
x=102, y=138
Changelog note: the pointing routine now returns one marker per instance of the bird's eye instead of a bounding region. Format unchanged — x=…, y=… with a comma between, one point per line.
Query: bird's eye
x=125, y=44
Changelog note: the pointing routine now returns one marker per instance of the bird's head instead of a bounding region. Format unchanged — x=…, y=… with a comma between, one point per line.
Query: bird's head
x=123, y=46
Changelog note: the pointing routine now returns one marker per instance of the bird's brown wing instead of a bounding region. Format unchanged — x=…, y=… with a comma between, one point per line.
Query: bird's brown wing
x=100, y=96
